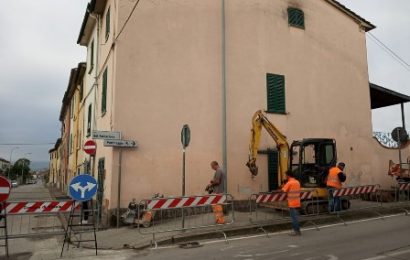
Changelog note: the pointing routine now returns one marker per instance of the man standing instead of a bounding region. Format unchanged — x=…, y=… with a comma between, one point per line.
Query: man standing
x=334, y=182
x=218, y=186
x=292, y=188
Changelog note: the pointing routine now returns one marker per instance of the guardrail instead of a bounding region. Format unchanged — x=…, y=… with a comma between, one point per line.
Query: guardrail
x=185, y=213
x=366, y=197
x=267, y=207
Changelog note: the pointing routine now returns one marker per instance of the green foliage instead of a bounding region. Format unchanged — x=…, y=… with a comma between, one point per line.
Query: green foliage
x=21, y=170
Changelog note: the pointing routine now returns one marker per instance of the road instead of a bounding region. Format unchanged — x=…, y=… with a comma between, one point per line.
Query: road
x=368, y=240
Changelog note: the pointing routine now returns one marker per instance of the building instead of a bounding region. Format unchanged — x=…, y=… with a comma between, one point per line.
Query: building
x=54, y=165
x=4, y=165
x=153, y=66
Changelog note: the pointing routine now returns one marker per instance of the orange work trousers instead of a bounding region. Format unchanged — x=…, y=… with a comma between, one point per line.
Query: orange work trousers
x=219, y=214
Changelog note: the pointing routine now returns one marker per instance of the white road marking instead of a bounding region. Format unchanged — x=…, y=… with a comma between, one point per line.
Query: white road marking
x=388, y=255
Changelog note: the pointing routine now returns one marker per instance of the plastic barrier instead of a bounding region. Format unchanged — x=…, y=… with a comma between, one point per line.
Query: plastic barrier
x=265, y=208
x=175, y=214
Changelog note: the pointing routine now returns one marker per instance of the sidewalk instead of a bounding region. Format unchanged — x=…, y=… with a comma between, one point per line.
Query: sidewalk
x=130, y=238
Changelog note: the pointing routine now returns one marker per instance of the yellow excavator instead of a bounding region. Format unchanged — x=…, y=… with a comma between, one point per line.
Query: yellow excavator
x=309, y=159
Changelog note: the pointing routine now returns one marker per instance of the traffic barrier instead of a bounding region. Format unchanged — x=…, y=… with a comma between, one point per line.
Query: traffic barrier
x=33, y=218
x=347, y=199
x=268, y=207
x=175, y=214
x=402, y=195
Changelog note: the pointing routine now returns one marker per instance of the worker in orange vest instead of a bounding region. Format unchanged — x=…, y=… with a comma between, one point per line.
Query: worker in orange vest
x=334, y=181
x=292, y=188
x=217, y=185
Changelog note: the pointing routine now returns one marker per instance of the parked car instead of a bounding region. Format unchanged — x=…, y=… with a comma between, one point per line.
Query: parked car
x=30, y=182
x=14, y=184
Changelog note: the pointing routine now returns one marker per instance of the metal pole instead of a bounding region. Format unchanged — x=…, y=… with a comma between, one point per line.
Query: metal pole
x=402, y=116
x=224, y=134
x=183, y=185
x=11, y=153
x=119, y=188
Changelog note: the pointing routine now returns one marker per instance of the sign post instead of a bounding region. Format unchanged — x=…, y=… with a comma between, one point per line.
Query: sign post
x=185, y=138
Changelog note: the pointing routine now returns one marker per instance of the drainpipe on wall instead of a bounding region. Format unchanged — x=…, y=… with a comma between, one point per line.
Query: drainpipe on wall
x=224, y=143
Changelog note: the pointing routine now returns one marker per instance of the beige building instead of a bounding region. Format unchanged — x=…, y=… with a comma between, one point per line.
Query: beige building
x=153, y=66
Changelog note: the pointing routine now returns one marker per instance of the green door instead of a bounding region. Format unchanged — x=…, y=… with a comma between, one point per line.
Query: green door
x=273, y=170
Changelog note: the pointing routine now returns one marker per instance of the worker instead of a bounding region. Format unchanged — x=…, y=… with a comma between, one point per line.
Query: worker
x=217, y=185
x=292, y=188
x=334, y=181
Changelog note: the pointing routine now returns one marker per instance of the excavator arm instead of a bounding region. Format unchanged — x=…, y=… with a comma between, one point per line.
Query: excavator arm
x=259, y=120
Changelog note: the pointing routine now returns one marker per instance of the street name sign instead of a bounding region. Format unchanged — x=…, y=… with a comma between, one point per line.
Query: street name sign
x=82, y=187
x=90, y=147
x=5, y=188
x=120, y=143
x=106, y=135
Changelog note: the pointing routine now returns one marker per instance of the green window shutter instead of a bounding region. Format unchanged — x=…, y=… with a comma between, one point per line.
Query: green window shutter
x=104, y=93
x=89, y=120
x=91, y=57
x=296, y=18
x=107, y=24
x=275, y=85
x=273, y=165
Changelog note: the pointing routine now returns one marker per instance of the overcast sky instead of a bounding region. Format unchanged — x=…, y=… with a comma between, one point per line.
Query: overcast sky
x=38, y=47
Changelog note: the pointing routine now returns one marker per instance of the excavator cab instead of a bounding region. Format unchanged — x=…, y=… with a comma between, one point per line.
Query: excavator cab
x=310, y=160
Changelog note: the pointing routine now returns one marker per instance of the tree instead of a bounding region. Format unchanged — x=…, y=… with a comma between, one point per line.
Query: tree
x=21, y=170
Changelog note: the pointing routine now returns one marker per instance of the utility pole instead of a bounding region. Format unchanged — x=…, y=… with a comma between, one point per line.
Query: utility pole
x=11, y=153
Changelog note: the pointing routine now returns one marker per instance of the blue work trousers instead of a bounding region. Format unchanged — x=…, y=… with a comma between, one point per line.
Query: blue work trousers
x=334, y=201
x=294, y=215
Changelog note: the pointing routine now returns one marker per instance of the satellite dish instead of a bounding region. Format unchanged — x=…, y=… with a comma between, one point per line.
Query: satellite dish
x=399, y=135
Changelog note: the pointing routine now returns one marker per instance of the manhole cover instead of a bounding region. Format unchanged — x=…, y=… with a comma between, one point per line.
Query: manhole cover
x=190, y=245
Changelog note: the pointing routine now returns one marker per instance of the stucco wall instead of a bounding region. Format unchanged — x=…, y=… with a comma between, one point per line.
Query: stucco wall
x=167, y=69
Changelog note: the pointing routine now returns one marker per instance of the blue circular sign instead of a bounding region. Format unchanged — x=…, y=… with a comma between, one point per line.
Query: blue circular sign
x=82, y=187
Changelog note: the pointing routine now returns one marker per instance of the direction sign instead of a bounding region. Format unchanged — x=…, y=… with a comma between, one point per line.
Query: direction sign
x=5, y=188
x=90, y=147
x=120, y=143
x=82, y=187
x=106, y=135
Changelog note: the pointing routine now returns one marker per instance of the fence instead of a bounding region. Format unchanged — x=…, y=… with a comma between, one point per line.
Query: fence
x=350, y=199
x=402, y=195
x=25, y=219
x=184, y=213
x=268, y=207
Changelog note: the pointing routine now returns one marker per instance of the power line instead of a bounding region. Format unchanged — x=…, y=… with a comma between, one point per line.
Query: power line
x=389, y=51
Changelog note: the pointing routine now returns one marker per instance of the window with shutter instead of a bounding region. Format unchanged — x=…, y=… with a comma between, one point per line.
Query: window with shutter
x=107, y=25
x=89, y=120
x=275, y=85
x=296, y=18
x=273, y=165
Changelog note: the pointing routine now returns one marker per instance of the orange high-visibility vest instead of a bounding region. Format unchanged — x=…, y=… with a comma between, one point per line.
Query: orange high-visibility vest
x=333, y=179
x=292, y=187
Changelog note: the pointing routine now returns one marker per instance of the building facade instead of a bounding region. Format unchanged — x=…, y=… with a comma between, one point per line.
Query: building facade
x=153, y=66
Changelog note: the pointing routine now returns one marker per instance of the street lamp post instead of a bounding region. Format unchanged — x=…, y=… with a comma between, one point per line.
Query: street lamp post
x=11, y=153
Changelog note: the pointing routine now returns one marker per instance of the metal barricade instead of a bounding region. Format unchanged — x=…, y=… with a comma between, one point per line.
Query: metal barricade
x=175, y=214
x=268, y=207
x=402, y=195
x=26, y=219
x=348, y=199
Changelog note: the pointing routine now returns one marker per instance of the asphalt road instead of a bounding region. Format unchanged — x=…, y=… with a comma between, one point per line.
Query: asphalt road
x=370, y=240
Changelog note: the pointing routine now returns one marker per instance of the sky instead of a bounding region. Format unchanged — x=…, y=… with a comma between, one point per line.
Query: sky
x=38, y=47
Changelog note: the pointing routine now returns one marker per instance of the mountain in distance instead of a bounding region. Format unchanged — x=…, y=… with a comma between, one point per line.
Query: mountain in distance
x=39, y=165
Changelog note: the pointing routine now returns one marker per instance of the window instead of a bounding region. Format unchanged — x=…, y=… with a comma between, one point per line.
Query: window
x=107, y=25
x=275, y=85
x=89, y=121
x=91, y=57
x=70, y=148
x=296, y=18
x=72, y=108
x=81, y=90
x=104, y=93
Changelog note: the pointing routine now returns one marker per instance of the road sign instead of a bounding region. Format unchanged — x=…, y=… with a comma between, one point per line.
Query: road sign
x=90, y=147
x=82, y=187
x=5, y=188
x=120, y=143
x=185, y=136
x=106, y=135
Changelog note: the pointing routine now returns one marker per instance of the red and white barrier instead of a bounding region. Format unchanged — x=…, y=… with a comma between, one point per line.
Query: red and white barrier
x=25, y=207
x=404, y=186
x=280, y=196
x=172, y=203
x=355, y=190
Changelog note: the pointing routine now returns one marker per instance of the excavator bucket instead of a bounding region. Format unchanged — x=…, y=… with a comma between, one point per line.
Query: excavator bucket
x=252, y=167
